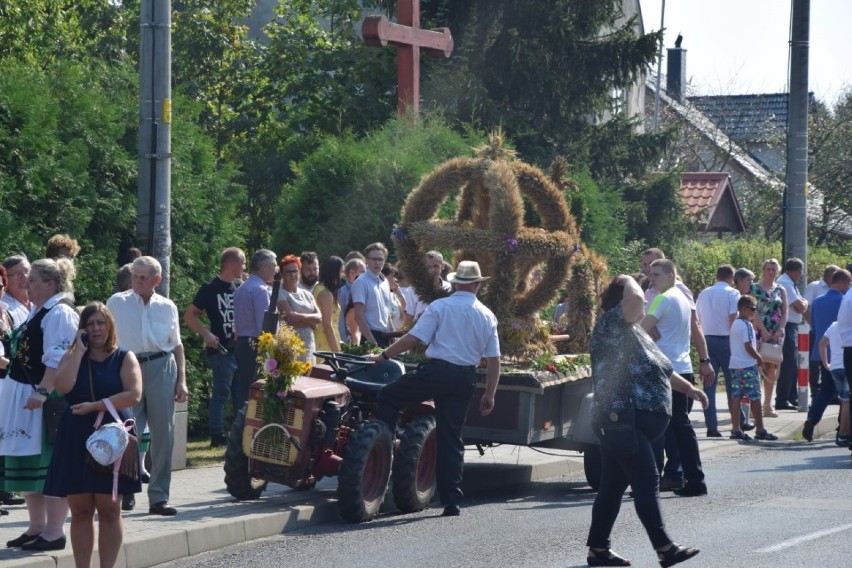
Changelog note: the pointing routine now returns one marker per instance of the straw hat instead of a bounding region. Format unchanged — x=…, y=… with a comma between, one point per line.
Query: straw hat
x=467, y=272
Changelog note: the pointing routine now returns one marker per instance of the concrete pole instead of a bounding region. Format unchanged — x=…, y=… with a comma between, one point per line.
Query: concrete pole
x=659, y=71
x=153, y=222
x=796, y=199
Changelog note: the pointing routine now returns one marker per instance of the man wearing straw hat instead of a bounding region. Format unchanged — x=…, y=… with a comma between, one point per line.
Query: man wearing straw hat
x=459, y=331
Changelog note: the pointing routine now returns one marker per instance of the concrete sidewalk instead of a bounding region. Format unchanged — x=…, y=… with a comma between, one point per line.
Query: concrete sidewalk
x=209, y=518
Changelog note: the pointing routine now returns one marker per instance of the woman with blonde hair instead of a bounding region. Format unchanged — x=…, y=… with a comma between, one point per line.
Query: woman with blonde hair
x=769, y=323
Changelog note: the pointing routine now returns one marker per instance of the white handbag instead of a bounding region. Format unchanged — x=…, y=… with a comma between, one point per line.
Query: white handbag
x=771, y=353
x=108, y=442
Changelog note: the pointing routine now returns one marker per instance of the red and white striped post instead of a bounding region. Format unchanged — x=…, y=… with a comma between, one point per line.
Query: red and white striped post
x=803, y=380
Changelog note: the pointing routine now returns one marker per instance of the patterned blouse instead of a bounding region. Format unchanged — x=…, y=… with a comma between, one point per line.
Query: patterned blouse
x=627, y=367
x=768, y=306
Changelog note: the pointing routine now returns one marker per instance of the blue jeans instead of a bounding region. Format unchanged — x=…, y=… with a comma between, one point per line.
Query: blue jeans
x=719, y=350
x=841, y=385
x=823, y=397
x=224, y=369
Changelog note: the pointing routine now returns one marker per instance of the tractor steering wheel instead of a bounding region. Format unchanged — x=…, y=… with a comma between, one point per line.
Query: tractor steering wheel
x=337, y=361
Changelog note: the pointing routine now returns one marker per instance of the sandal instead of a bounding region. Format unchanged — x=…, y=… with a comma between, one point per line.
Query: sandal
x=769, y=412
x=764, y=435
x=740, y=435
x=675, y=555
x=605, y=557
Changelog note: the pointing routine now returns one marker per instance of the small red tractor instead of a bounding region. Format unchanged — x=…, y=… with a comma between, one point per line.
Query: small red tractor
x=328, y=429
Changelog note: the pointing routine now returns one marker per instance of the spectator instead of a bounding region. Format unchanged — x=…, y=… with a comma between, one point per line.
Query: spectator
x=17, y=296
x=309, y=272
x=787, y=392
x=743, y=279
x=62, y=246
x=49, y=331
x=371, y=298
x=772, y=317
x=215, y=299
x=561, y=309
x=346, y=324
x=297, y=306
x=812, y=291
x=148, y=325
x=124, y=278
x=834, y=362
x=630, y=371
x=326, y=294
x=390, y=272
x=89, y=372
x=434, y=261
x=844, y=330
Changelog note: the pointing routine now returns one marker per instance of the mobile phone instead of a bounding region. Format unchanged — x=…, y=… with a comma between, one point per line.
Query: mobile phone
x=84, y=339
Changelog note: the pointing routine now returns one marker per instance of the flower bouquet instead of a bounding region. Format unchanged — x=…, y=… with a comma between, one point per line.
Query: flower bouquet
x=280, y=358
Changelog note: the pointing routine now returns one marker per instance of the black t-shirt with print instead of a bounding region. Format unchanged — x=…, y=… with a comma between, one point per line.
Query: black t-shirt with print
x=216, y=299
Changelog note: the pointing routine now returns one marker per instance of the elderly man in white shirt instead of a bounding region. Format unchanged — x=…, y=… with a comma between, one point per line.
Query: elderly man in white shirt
x=147, y=324
x=787, y=392
x=717, y=309
x=459, y=331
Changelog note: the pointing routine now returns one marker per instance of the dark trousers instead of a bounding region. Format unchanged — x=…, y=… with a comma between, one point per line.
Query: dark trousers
x=814, y=367
x=719, y=351
x=451, y=387
x=847, y=365
x=682, y=435
x=826, y=393
x=382, y=338
x=640, y=472
x=245, y=352
x=787, y=389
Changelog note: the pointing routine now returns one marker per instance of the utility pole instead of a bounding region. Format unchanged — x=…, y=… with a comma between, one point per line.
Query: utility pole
x=153, y=204
x=795, y=194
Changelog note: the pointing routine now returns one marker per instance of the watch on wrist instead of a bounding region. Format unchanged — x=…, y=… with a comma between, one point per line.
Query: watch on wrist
x=705, y=360
x=42, y=391
x=385, y=356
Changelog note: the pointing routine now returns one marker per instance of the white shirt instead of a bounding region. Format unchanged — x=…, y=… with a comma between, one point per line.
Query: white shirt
x=416, y=308
x=145, y=328
x=835, y=349
x=19, y=312
x=815, y=289
x=374, y=292
x=715, y=305
x=651, y=293
x=844, y=320
x=674, y=317
x=792, y=295
x=458, y=329
x=742, y=332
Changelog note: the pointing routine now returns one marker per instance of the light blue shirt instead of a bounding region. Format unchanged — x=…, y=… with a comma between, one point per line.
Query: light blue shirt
x=251, y=300
x=374, y=292
x=343, y=296
x=458, y=329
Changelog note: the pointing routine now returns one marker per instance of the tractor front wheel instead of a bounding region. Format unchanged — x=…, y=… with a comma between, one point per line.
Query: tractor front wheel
x=415, y=465
x=238, y=479
x=364, y=471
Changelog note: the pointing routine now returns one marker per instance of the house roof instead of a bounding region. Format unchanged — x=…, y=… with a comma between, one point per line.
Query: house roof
x=710, y=199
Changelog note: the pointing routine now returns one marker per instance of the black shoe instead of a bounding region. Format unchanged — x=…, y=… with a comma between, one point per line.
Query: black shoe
x=748, y=426
x=218, y=441
x=41, y=544
x=605, y=558
x=451, y=511
x=7, y=498
x=785, y=405
x=692, y=490
x=3, y=512
x=808, y=431
x=714, y=434
x=162, y=508
x=145, y=477
x=21, y=540
x=675, y=555
x=128, y=502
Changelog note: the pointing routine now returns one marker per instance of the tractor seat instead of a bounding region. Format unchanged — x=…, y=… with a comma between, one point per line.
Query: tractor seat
x=373, y=378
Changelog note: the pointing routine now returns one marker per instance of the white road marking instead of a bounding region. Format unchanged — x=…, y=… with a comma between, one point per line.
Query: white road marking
x=804, y=538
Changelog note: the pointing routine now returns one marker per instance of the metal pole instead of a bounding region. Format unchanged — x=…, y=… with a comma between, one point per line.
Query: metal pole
x=153, y=224
x=796, y=200
x=659, y=71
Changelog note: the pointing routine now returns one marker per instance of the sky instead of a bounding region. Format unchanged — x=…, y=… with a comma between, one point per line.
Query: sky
x=737, y=47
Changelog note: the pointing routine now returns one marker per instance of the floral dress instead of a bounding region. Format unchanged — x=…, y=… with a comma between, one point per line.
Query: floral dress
x=769, y=304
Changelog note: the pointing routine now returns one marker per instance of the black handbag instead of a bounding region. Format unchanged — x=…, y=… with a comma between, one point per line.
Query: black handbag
x=53, y=410
x=616, y=429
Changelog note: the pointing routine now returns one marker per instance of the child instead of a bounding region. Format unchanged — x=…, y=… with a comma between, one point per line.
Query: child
x=831, y=340
x=745, y=379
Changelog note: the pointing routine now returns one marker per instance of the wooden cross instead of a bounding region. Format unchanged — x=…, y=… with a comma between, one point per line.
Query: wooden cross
x=408, y=38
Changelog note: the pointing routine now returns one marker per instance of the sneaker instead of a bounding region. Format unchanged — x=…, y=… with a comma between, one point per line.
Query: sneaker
x=739, y=435
x=667, y=484
x=808, y=431
x=842, y=441
x=218, y=441
x=764, y=435
x=692, y=490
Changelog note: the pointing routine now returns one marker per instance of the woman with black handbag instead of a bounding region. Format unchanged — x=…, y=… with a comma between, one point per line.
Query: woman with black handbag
x=633, y=381
x=36, y=348
x=93, y=369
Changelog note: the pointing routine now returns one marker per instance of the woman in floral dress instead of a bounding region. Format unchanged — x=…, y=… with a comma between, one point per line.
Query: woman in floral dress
x=769, y=323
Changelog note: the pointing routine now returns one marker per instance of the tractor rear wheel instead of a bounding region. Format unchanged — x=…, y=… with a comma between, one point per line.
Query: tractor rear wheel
x=364, y=471
x=415, y=465
x=238, y=479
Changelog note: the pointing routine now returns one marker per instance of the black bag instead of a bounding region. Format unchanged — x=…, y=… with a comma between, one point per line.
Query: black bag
x=54, y=410
x=616, y=429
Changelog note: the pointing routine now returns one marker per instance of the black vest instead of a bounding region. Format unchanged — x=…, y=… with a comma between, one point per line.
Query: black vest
x=26, y=366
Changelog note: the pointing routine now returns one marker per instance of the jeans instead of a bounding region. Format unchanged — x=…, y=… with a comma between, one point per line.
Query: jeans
x=719, y=350
x=451, y=387
x=640, y=472
x=681, y=435
x=787, y=388
x=841, y=385
x=823, y=398
x=224, y=369
x=245, y=354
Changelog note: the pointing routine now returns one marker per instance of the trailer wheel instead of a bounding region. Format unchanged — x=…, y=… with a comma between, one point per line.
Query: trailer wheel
x=364, y=472
x=238, y=479
x=592, y=465
x=415, y=464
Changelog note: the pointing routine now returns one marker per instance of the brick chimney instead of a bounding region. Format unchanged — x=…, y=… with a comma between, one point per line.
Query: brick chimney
x=676, y=73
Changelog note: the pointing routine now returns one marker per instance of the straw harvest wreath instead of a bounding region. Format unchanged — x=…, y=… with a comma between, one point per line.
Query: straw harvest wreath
x=489, y=228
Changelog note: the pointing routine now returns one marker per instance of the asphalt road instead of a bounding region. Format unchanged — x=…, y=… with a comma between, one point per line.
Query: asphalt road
x=770, y=504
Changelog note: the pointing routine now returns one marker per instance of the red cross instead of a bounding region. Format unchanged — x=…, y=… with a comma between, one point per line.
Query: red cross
x=408, y=38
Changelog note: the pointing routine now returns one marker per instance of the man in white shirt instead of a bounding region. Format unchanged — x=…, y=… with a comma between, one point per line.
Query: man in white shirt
x=459, y=331
x=844, y=329
x=787, y=392
x=147, y=324
x=717, y=309
x=434, y=261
